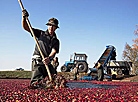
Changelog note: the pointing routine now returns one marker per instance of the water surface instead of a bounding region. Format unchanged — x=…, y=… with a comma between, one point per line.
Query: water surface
x=89, y=85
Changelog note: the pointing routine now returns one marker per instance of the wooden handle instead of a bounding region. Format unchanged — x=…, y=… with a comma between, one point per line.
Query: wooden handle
x=32, y=32
x=20, y=2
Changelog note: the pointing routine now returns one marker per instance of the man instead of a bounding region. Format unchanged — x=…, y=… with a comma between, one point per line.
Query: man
x=99, y=71
x=75, y=72
x=55, y=63
x=49, y=45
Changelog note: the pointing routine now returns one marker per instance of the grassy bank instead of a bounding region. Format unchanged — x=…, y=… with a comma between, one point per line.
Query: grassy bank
x=67, y=75
x=15, y=74
x=27, y=74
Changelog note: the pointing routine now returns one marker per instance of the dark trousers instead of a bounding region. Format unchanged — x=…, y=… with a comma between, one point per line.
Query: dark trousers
x=39, y=72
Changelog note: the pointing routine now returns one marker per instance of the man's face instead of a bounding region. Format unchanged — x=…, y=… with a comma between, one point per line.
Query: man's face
x=51, y=29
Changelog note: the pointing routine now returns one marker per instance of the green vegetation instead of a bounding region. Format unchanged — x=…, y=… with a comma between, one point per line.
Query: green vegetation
x=15, y=74
x=27, y=74
x=67, y=75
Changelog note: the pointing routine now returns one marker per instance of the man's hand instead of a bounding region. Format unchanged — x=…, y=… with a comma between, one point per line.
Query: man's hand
x=46, y=60
x=25, y=13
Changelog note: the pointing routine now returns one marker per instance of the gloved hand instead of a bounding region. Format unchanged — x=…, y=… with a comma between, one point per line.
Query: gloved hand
x=46, y=60
x=25, y=13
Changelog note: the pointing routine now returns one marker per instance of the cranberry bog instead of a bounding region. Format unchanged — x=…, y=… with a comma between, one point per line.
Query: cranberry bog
x=16, y=90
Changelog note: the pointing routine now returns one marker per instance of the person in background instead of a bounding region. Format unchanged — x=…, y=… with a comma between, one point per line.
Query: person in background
x=75, y=72
x=55, y=63
x=99, y=71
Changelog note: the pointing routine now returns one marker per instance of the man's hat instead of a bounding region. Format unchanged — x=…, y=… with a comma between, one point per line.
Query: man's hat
x=53, y=21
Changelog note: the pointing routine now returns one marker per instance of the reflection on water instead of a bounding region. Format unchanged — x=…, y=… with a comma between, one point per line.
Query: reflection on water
x=89, y=85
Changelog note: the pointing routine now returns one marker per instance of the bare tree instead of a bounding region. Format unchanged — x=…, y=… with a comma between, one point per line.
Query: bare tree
x=130, y=53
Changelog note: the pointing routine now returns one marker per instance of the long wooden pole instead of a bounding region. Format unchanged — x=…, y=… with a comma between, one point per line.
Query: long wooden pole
x=32, y=32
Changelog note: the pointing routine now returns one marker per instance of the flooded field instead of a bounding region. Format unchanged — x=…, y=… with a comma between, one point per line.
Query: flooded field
x=89, y=85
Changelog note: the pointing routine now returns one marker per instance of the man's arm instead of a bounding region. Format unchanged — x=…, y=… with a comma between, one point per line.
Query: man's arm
x=51, y=56
x=24, y=23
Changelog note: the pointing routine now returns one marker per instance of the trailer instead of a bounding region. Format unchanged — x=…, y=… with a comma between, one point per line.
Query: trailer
x=120, y=67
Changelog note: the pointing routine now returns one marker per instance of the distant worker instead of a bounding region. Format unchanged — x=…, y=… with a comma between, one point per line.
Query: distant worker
x=75, y=72
x=99, y=71
x=55, y=63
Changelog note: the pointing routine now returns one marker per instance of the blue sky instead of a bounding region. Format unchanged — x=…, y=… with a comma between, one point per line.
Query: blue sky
x=86, y=26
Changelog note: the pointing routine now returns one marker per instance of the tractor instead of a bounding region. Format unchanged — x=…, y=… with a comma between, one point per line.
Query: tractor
x=79, y=60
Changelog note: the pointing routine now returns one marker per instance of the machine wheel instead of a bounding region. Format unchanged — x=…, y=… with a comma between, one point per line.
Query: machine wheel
x=119, y=72
x=82, y=67
x=64, y=68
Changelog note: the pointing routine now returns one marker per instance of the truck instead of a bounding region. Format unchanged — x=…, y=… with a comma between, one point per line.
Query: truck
x=79, y=60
